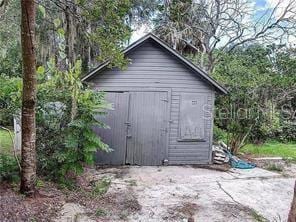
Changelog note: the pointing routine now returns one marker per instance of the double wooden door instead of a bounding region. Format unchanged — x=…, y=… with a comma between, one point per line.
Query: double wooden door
x=138, y=128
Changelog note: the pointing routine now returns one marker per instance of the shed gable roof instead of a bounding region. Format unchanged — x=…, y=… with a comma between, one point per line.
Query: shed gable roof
x=204, y=76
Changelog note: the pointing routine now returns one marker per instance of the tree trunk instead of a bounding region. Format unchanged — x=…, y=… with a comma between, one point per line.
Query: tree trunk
x=292, y=214
x=70, y=32
x=211, y=65
x=28, y=172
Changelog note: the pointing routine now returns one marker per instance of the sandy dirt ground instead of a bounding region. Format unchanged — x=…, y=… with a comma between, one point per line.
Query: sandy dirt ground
x=185, y=193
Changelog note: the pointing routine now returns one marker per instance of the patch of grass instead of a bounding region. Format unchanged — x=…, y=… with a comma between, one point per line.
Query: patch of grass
x=132, y=182
x=272, y=149
x=5, y=142
x=39, y=183
x=101, y=186
x=258, y=217
x=123, y=215
x=101, y=212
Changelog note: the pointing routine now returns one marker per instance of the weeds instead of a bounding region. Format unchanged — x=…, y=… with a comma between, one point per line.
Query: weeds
x=101, y=186
x=258, y=217
x=275, y=167
x=101, y=212
x=132, y=182
x=39, y=183
x=123, y=215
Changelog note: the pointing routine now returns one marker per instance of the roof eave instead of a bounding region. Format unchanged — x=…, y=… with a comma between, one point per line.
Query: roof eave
x=203, y=74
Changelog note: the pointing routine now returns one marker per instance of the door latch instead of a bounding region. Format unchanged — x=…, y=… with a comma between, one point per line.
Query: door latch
x=128, y=125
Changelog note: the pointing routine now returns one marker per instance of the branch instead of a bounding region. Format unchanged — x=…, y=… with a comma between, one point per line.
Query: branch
x=267, y=27
x=3, y=3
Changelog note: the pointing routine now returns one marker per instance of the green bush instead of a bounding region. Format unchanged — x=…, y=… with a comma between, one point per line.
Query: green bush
x=9, y=170
x=66, y=114
x=252, y=111
x=287, y=132
x=10, y=102
x=219, y=134
x=101, y=187
x=267, y=124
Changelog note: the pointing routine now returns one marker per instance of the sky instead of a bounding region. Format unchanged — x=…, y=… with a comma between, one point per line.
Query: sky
x=260, y=3
x=261, y=7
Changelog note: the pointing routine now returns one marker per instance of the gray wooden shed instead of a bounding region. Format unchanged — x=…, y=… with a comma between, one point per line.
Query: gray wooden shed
x=162, y=107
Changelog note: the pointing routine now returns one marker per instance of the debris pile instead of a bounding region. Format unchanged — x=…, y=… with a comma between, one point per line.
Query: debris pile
x=220, y=156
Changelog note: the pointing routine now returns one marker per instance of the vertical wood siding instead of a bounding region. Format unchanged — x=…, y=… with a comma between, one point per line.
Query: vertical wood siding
x=148, y=120
x=153, y=67
x=115, y=138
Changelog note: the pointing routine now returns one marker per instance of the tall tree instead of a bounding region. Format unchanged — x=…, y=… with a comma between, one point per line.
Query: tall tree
x=207, y=25
x=28, y=163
